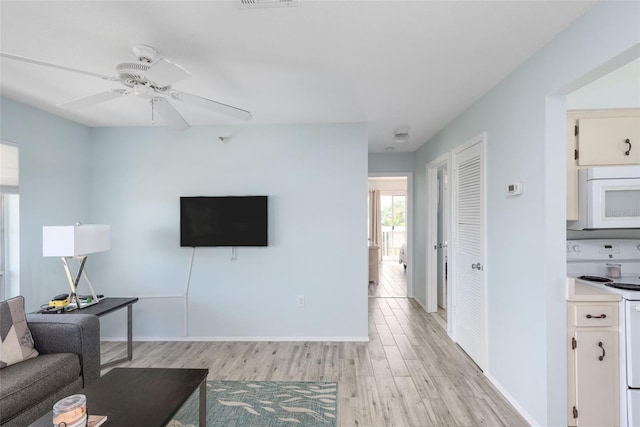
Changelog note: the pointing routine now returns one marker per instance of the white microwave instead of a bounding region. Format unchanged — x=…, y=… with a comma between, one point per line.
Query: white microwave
x=608, y=197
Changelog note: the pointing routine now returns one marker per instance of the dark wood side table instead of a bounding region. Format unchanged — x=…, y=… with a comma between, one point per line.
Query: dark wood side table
x=136, y=397
x=106, y=306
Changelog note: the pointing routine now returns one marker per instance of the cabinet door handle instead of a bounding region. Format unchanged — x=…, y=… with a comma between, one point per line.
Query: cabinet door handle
x=627, y=141
x=602, y=316
x=601, y=358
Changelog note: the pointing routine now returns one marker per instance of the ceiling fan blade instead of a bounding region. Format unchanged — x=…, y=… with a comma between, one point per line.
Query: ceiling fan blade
x=88, y=101
x=218, y=107
x=60, y=67
x=169, y=114
x=165, y=72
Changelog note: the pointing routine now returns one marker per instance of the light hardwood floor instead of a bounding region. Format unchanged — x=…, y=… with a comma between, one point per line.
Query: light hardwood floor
x=409, y=373
x=393, y=281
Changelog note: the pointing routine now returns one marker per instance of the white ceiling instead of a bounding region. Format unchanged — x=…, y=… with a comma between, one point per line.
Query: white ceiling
x=397, y=65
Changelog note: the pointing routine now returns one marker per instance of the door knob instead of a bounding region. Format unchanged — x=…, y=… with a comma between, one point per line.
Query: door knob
x=477, y=266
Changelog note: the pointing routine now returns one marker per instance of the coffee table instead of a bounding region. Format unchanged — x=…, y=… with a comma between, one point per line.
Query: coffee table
x=138, y=397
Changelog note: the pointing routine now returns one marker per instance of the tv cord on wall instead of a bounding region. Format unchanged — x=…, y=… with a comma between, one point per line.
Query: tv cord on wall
x=184, y=296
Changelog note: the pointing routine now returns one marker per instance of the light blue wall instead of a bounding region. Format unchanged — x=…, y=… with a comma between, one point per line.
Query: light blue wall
x=618, y=89
x=316, y=180
x=132, y=178
x=54, y=190
x=525, y=257
x=391, y=162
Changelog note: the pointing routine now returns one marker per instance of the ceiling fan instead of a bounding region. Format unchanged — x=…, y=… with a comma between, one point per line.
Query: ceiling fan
x=150, y=78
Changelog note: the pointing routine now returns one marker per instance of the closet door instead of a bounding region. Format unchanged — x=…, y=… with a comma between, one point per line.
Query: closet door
x=469, y=284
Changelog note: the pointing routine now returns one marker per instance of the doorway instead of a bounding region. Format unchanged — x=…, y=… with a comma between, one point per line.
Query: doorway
x=438, y=217
x=391, y=234
x=9, y=221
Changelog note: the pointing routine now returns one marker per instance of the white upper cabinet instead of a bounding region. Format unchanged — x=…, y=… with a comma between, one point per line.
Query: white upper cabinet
x=608, y=137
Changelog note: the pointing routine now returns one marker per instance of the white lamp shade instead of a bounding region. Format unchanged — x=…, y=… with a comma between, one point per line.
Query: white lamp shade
x=75, y=240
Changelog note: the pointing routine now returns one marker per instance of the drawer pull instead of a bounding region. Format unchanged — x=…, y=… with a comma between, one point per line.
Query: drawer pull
x=627, y=141
x=601, y=358
x=602, y=316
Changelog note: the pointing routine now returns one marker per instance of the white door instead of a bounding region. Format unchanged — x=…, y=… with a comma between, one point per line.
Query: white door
x=468, y=251
x=443, y=214
x=433, y=242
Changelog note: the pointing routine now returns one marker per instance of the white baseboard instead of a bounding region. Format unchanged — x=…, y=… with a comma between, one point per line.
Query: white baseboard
x=528, y=418
x=217, y=339
x=419, y=303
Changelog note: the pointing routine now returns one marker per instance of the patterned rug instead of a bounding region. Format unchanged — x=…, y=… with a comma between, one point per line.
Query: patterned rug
x=263, y=404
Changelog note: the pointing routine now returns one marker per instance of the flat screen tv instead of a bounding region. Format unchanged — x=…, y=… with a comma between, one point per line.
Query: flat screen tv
x=223, y=221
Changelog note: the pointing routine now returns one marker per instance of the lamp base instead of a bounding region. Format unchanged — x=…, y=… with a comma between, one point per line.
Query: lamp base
x=76, y=300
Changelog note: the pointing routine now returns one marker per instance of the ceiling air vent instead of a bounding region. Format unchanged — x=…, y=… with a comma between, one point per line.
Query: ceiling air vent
x=255, y=4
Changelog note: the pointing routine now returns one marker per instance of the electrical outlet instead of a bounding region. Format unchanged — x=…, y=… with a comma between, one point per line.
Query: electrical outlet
x=300, y=300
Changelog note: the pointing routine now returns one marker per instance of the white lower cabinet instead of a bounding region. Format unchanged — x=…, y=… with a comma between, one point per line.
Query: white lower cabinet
x=593, y=371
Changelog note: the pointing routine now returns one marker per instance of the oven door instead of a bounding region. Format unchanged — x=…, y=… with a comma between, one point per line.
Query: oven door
x=632, y=331
x=613, y=203
x=633, y=407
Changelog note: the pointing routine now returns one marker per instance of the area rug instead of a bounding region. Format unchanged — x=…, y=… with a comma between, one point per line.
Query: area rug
x=263, y=404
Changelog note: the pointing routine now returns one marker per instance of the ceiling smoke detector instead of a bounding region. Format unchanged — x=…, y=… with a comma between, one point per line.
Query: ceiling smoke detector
x=255, y=4
x=401, y=137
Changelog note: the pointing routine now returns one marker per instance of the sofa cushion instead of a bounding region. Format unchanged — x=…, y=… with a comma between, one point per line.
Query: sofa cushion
x=26, y=383
x=16, y=343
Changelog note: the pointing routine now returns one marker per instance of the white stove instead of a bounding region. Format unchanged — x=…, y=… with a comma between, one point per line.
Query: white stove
x=591, y=262
x=614, y=265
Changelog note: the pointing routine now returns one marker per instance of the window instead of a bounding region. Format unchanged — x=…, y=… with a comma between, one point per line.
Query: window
x=9, y=221
x=393, y=215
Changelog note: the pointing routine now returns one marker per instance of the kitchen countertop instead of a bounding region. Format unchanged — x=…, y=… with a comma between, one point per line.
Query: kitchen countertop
x=577, y=291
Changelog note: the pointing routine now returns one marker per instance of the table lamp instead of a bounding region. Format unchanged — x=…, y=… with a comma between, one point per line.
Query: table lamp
x=76, y=242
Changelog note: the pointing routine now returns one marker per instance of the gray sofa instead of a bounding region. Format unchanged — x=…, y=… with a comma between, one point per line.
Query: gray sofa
x=69, y=359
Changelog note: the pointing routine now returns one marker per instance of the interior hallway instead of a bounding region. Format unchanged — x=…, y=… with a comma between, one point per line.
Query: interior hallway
x=393, y=281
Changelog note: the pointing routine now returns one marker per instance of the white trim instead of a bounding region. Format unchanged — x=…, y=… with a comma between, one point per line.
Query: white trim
x=528, y=418
x=469, y=143
x=420, y=303
x=431, y=274
x=251, y=339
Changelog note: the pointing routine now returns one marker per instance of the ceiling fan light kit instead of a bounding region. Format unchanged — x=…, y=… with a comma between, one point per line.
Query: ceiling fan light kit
x=144, y=53
x=150, y=78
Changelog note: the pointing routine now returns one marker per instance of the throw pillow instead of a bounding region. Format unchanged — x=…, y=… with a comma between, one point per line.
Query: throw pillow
x=16, y=342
